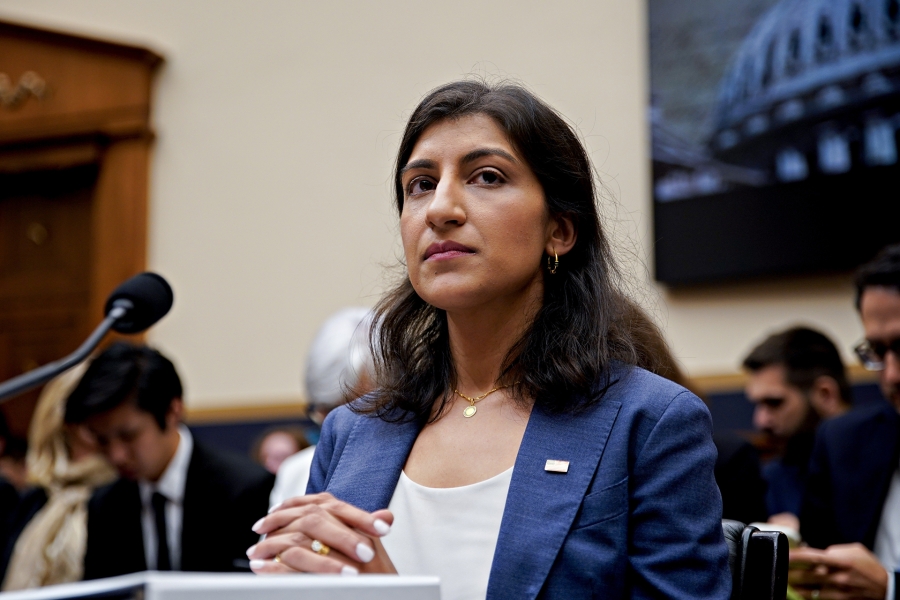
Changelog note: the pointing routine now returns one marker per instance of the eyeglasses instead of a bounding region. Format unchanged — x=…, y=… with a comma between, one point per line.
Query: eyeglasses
x=872, y=353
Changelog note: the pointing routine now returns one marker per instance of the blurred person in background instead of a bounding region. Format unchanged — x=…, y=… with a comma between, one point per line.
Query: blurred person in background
x=339, y=369
x=178, y=504
x=276, y=444
x=852, y=505
x=796, y=379
x=49, y=533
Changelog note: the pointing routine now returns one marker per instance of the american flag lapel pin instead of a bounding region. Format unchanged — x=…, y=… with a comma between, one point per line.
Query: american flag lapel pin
x=557, y=466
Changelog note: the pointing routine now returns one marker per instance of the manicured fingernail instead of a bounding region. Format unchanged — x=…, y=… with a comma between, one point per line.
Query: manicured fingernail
x=364, y=553
x=257, y=564
x=348, y=570
x=381, y=527
x=258, y=525
x=250, y=550
x=275, y=507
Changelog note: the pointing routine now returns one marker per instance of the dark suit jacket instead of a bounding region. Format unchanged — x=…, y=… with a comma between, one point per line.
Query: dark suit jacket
x=638, y=514
x=739, y=477
x=225, y=494
x=18, y=512
x=853, y=460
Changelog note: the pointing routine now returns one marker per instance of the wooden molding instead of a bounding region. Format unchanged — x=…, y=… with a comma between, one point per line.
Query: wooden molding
x=59, y=38
x=110, y=124
x=87, y=86
x=715, y=384
x=291, y=409
x=68, y=104
x=96, y=110
x=75, y=153
x=735, y=382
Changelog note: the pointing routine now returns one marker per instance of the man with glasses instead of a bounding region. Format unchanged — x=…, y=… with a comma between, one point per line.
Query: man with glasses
x=852, y=506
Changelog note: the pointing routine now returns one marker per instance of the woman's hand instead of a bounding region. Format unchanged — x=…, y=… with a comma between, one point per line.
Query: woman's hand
x=350, y=537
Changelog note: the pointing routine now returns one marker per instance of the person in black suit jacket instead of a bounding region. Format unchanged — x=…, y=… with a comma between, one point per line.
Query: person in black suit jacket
x=796, y=379
x=853, y=462
x=178, y=504
x=852, y=504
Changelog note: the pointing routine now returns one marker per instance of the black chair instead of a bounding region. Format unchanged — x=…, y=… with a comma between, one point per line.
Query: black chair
x=758, y=561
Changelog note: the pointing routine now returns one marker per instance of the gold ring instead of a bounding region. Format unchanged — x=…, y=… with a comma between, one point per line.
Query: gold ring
x=320, y=548
x=278, y=558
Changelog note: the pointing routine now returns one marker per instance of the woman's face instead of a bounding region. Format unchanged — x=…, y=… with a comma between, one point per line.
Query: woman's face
x=475, y=225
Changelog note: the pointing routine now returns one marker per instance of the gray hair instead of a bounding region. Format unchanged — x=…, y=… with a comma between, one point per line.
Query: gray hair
x=338, y=357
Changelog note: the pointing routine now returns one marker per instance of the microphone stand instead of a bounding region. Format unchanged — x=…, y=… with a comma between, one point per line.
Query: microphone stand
x=41, y=375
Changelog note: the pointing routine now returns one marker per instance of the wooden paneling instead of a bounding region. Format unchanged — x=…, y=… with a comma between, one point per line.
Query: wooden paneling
x=291, y=408
x=53, y=155
x=74, y=161
x=120, y=238
x=735, y=382
x=90, y=86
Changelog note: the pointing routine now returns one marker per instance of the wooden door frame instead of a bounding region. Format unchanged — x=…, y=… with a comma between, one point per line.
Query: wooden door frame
x=94, y=109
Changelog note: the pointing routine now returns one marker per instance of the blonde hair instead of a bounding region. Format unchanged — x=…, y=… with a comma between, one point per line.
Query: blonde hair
x=51, y=548
x=48, y=453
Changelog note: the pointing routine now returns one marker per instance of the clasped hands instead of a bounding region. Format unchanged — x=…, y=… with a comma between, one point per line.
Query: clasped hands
x=349, y=538
x=840, y=572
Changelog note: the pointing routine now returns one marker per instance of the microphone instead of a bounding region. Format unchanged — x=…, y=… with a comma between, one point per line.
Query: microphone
x=146, y=298
x=134, y=306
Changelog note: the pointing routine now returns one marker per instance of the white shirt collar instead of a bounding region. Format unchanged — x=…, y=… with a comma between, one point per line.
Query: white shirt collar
x=171, y=483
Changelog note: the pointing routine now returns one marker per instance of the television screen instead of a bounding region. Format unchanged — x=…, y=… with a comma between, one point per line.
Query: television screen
x=774, y=129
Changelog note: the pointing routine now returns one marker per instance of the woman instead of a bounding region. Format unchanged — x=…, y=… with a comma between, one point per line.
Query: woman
x=64, y=464
x=518, y=449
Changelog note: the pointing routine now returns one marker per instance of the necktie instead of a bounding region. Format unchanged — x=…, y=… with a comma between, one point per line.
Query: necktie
x=162, y=538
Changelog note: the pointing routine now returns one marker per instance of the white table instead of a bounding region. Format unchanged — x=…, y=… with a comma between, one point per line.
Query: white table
x=155, y=585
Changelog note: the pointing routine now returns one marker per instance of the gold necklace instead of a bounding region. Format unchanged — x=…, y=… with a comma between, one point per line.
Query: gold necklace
x=470, y=410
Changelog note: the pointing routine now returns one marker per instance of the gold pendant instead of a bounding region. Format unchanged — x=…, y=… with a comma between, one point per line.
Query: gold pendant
x=469, y=411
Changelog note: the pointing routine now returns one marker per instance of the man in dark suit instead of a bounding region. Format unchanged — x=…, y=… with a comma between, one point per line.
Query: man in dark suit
x=796, y=380
x=177, y=505
x=852, y=506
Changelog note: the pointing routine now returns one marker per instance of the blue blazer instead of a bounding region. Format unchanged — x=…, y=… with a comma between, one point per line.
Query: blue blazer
x=638, y=515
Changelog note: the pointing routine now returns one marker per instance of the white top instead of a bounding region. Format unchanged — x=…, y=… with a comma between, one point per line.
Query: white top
x=171, y=485
x=887, y=538
x=292, y=476
x=448, y=532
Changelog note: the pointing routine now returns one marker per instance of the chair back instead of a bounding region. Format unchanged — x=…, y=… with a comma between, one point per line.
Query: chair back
x=758, y=562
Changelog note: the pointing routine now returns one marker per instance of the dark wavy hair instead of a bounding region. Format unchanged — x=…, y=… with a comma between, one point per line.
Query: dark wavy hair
x=881, y=271
x=586, y=321
x=125, y=373
x=806, y=355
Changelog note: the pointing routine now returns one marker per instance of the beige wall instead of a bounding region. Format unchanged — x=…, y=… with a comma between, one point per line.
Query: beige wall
x=277, y=121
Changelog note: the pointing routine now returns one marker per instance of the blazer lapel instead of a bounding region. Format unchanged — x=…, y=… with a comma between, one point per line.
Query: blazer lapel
x=371, y=462
x=542, y=505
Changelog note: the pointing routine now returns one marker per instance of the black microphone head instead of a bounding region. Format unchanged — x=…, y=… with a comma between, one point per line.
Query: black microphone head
x=150, y=296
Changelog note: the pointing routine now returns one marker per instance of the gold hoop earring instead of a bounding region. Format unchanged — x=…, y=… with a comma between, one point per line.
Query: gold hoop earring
x=555, y=263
